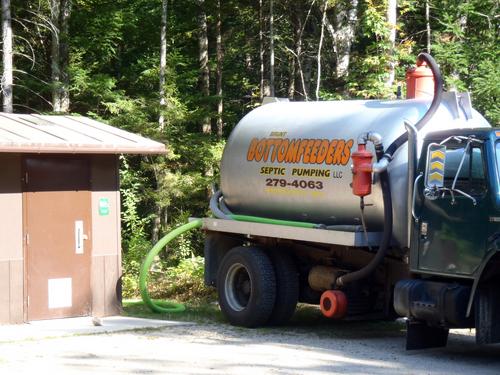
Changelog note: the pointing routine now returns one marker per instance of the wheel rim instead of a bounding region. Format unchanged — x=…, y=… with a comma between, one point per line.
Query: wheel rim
x=238, y=287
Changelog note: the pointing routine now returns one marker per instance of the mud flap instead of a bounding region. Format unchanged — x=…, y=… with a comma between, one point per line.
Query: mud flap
x=421, y=336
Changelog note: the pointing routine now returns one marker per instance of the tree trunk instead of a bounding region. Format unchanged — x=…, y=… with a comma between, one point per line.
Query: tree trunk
x=271, y=47
x=54, y=55
x=155, y=232
x=7, y=76
x=65, y=13
x=261, y=49
x=220, y=58
x=307, y=68
x=291, y=78
x=158, y=211
x=204, y=79
x=320, y=46
x=295, y=19
x=455, y=73
x=163, y=62
x=428, y=24
x=391, y=20
x=343, y=34
x=298, y=32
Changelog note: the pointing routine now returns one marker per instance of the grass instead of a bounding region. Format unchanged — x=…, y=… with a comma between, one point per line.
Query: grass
x=185, y=283
x=306, y=320
x=197, y=312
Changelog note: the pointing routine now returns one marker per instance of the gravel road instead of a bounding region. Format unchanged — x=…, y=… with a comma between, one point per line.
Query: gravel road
x=203, y=348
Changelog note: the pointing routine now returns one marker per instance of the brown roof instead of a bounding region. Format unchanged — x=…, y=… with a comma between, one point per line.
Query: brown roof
x=69, y=134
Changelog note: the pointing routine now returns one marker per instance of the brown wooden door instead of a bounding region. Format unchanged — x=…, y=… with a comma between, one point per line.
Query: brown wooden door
x=57, y=206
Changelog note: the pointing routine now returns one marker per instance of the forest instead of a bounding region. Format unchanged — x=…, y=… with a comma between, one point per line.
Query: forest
x=185, y=72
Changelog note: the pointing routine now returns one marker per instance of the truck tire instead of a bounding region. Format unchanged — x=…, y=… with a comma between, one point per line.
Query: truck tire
x=246, y=285
x=287, y=287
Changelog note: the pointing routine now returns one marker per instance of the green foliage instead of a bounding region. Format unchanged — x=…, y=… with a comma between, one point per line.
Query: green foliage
x=372, y=55
x=465, y=42
x=134, y=224
x=133, y=256
x=183, y=282
x=485, y=85
x=114, y=69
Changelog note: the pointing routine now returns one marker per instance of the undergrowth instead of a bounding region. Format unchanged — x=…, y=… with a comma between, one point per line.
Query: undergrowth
x=183, y=283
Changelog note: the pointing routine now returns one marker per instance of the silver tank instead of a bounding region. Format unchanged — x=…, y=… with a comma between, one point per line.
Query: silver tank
x=291, y=160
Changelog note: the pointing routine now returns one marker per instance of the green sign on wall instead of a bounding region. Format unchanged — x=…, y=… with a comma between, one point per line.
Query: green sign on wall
x=103, y=206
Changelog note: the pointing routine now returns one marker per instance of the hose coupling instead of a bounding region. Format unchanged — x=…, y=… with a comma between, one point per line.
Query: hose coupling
x=381, y=165
x=373, y=137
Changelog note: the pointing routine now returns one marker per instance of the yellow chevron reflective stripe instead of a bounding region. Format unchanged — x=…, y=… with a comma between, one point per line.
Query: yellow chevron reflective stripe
x=436, y=176
x=437, y=165
x=438, y=154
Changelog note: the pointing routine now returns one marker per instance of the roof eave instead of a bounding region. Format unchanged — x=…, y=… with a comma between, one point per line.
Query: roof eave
x=33, y=149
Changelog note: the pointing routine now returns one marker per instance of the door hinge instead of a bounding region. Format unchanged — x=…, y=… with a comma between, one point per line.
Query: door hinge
x=27, y=238
x=28, y=302
x=26, y=179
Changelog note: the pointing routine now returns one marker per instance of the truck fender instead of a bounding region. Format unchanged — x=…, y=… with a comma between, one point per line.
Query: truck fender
x=216, y=246
x=491, y=257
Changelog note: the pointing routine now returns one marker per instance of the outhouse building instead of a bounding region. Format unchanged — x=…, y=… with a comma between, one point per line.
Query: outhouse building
x=60, y=250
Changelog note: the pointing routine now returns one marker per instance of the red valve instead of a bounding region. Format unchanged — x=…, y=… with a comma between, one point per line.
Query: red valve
x=333, y=304
x=419, y=82
x=361, y=171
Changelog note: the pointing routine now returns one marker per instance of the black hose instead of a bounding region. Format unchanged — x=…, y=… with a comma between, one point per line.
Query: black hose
x=384, y=177
x=214, y=207
x=385, y=241
x=436, y=102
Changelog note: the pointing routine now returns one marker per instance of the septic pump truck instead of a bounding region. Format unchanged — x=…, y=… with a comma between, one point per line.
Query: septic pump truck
x=362, y=206
x=407, y=223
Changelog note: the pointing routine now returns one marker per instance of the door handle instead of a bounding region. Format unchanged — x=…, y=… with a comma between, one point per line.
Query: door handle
x=79, y=237
x=414, y=197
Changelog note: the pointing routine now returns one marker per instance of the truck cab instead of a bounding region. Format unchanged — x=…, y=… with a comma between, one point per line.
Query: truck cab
x=455, y=239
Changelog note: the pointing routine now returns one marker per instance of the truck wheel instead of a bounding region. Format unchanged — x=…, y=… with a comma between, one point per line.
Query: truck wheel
x=287, y=287
x=246, y=285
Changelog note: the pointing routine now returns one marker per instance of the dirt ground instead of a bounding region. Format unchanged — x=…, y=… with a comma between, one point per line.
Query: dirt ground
x=209, y=348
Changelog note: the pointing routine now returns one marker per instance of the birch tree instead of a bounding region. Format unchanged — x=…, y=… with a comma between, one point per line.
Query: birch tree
x=220, y=57
x=54, y=55
x=320, y=46
x=163, y=62
x=158, y=171
x=428, y=25
x=271, y=47
x=65, y=13
x=455, y=80
x=204, y=77
x=342, y=34
x=261, y=48
x=391, y=21
x=299, y=27
x=7, y=75
x=60, y=11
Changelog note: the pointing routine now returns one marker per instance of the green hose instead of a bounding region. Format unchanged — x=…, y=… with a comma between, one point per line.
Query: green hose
x=162, y=306
x=172, y=307
x=264, y=220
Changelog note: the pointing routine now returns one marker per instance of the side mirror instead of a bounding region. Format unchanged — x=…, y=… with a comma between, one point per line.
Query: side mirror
x=434, y=169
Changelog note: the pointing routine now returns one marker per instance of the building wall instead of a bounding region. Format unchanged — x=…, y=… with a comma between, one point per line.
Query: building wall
x=11, y=240
x=106, y=241
x=105, y=237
